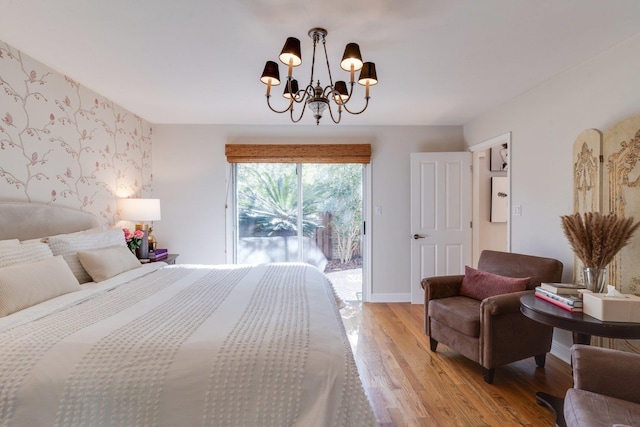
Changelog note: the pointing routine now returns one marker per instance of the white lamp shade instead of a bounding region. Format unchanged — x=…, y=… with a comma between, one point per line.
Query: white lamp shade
x=139, y=209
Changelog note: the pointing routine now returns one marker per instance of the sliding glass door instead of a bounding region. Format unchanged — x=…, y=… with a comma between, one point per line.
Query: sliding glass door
x=299, y=213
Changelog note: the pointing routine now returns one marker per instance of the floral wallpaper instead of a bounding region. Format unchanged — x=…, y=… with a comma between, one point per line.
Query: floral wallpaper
x=62, y=144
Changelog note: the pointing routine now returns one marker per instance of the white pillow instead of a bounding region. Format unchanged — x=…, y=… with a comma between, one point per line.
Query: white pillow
x=24, y=285
x=4, y=243
x=24, y=253
x=68, y=245
x=104, y=263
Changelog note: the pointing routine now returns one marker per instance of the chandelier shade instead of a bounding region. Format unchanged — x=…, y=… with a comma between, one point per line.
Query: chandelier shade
x=368, y=76
x=351, y=57
x=291, y=53
x=291, y=89
x=340, y=94
x=271, y=74
x=319, y=98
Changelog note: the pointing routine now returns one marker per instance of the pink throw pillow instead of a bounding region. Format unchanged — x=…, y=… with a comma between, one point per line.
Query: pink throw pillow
x=480, y=284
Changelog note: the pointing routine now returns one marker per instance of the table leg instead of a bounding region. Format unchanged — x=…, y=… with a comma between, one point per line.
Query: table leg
x=555, y=404
x=579, y=338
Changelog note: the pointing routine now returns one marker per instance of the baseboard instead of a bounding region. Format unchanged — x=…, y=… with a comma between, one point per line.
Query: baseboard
x=561, y=351
x=390, y=297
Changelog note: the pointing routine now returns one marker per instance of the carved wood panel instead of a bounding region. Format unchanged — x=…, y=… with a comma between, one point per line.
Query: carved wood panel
x=617, y=190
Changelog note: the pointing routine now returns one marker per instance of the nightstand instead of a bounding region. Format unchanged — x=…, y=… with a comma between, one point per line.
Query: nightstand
x=170, y=259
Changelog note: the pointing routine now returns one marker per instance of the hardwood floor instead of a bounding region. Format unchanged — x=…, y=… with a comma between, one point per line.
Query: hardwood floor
x=409, y=385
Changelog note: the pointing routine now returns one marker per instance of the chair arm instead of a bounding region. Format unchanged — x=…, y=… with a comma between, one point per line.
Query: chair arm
x=503, y=303
x=441, y=287
x=506, y=334
x=613, y=373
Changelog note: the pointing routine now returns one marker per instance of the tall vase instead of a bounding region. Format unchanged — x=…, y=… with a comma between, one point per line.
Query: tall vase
x=595, y=278
x=143, y=251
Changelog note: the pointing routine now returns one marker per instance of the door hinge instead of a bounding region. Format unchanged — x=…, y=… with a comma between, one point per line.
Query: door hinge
x=470, y=224
x=601, y=158
x=364, y=228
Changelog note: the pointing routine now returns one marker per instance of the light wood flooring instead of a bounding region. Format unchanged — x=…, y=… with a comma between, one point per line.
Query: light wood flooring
x=409, y=385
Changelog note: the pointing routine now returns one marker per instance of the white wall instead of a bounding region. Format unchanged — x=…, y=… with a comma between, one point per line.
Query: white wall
x=190, y=179
x=544, y=123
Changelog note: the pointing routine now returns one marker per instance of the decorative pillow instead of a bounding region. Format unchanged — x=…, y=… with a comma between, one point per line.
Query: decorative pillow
x=4, y=243
x=480, y=284
x=24, y=285
x=68, y=245
x=104, y=263
x=24, y=253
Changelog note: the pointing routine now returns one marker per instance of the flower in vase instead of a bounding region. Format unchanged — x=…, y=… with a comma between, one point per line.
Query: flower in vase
x=134, y=240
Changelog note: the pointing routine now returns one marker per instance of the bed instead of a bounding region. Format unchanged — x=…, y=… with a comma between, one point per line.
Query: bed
x=157, y=345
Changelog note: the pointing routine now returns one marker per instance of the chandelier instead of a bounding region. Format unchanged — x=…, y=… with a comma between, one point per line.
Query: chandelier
x=319, y=98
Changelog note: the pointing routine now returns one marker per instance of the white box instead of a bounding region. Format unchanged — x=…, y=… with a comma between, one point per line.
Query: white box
x=612, y=309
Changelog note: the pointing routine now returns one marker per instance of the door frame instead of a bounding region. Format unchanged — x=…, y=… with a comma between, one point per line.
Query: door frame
x=367, y=290
x=478, y=151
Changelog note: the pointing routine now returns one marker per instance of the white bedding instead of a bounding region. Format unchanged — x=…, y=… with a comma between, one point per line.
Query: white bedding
x=184, y=346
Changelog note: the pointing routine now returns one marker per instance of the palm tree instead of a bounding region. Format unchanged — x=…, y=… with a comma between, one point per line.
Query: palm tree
x=270, y=205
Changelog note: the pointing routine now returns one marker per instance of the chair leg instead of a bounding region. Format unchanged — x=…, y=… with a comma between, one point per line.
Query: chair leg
x=488, y=375
x=433, y=344
x=540, y=359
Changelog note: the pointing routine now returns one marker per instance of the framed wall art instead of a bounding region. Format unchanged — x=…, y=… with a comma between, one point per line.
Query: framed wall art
x=499, y=198
x=500, y=158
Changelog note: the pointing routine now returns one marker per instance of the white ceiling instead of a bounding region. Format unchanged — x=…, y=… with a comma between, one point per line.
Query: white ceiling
x=439, y=62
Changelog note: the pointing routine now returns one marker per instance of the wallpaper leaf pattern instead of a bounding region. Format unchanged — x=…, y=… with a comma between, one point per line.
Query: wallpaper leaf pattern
x=61, y=143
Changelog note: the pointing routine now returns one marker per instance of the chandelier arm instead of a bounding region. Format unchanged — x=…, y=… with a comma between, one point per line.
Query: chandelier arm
x=329, y=93
x=289, y=107
x=351, y=86
x=294, y=120
x=331, y=114
x=361, y=111
x=332, y=91
x=306, y=93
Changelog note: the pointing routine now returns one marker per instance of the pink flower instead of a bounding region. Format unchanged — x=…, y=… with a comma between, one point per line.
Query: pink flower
x=133, y=240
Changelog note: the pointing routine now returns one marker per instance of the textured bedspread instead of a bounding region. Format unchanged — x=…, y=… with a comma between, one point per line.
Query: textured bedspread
x=188, y=346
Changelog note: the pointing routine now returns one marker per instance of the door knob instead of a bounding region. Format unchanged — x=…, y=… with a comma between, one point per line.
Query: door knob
x=419, y=236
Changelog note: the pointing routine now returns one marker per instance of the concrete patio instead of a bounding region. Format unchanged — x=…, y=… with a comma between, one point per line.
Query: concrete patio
x=347, y=283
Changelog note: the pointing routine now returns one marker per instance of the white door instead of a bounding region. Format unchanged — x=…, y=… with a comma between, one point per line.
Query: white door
x=440, y=216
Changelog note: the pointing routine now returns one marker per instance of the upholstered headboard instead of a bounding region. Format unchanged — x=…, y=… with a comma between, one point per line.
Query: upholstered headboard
x=32, y=220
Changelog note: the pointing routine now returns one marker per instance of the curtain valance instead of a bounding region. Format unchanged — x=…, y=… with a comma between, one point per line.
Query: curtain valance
x=298, y=153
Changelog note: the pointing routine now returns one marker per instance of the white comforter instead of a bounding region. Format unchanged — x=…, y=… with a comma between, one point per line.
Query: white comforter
x=184, y=346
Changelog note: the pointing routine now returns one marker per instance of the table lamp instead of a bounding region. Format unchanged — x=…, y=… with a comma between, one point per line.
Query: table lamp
x=140, y=210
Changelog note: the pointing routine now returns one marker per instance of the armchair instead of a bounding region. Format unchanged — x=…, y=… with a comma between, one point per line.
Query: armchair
x=492, y=332
x=605, y=390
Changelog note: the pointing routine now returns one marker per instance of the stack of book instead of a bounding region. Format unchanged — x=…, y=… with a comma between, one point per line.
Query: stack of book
x=564, y=295
x=158, y=254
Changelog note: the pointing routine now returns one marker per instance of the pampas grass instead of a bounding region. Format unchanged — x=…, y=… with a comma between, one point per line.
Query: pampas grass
x=597, y=238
